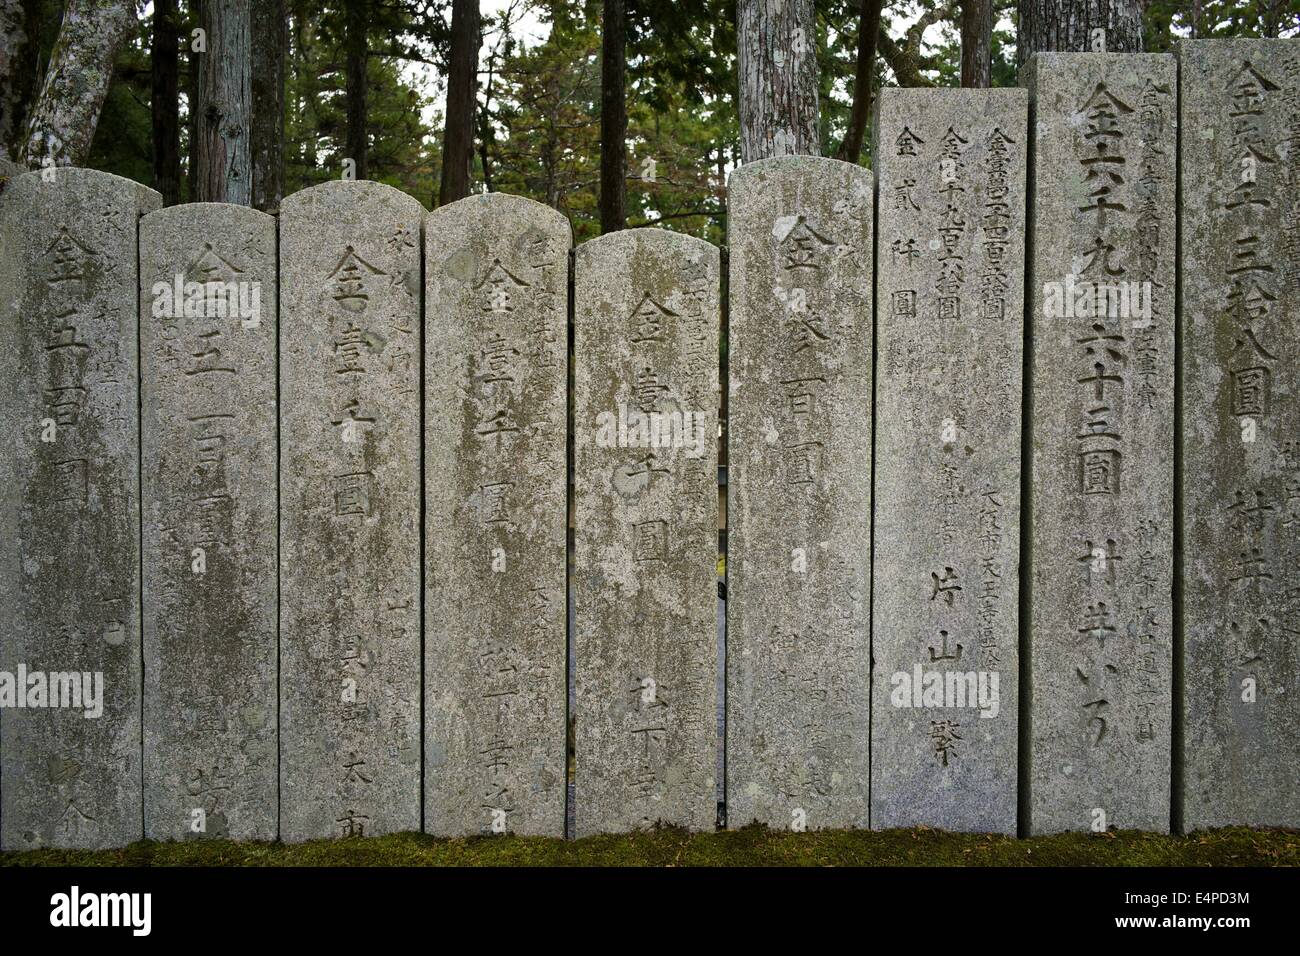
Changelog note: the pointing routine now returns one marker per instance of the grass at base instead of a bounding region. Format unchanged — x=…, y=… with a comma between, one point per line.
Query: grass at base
x=751, y=846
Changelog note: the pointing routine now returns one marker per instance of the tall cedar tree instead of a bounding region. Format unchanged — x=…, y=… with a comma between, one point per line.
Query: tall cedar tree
x=776, y=45
x=164, y=102
x=613, y=117
x=1066, y=26
x=356, y=53
x=224, y=104
x=270, y=48
x=462, y=93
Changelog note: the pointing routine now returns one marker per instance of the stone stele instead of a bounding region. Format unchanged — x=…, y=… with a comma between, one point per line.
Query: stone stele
x=1240, y=210
x=799, y=490
x=350, y=585
x=70, y=515
x=646, y=552
x=950, y=258
x=1101, y=426
x=208, y=483
x=496, y=346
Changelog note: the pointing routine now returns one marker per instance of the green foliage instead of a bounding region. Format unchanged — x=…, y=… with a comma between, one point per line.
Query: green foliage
x=751, y=846
x=546, y=118
x=403, y=153
x=539, y=124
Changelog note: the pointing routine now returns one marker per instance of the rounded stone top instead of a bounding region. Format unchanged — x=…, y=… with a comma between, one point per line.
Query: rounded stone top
x=496, y=206
x=504, y=202
x=34, y=180
x=350, y=191
x=613, y=243
x=815, y=168
x=226, y=210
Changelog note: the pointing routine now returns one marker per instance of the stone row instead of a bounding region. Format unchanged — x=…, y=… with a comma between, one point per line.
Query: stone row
x=214, y=512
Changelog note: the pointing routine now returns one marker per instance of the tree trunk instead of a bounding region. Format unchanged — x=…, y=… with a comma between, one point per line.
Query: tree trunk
x=486, y=133
x=860, y=116
x=164, y=103
x=12, y=40
x=1273, y=18
x=1066, y=26
x=613, y=118
x=225, y=104
x=977, y=43
x=62, y=123
x=462, y=92
x=357, y=50
x=303, y=157
x=270, y=43
x=776, y=43
x=193, y=66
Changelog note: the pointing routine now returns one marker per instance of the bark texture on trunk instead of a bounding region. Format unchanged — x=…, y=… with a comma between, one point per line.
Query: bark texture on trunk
x=977, y=43
x=12, y=40
x=776, y=43
x=356, y=43
x=462, y=93
x=164, y=103
x=270, y=45
x=1066, y=26
x=613, y=118
x=225, y=104
x=63, y=120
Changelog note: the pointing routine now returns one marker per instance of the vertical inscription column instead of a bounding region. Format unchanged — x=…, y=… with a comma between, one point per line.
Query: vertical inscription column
x=350, y=511
x=798, y=637
x=1240, y=205
x=950, y=255
x=208, y=478
x=69, y=514
x=645, y=445
x=496, y=391
x=1101, y=421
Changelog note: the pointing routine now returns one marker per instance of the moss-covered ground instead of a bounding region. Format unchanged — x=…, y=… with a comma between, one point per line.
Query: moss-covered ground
x=751, y=846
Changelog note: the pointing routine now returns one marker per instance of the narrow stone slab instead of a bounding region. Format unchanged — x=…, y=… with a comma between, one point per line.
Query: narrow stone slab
x=69, y=515
x=1101, y=427
x=350, y=511
x=645, y=445
x=1240, y=209
x=950, y=254
x=799, y=492
x=497, y=275
x=208, y=480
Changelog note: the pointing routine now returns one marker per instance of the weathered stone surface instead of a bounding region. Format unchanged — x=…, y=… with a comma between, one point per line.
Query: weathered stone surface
x=496, y=348
x=350, y=511
x=950, y=255
x=208, y=484
x=1101, y=431
x=799, y=488
x=646, y=342
x=9, y=171
x=1240, y=209
x=69, y=514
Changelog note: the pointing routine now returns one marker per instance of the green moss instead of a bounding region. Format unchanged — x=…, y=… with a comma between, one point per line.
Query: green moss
x=752, y=846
